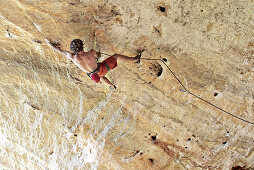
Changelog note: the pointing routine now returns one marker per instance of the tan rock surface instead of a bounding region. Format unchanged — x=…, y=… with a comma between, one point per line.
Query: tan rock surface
x=53, y=117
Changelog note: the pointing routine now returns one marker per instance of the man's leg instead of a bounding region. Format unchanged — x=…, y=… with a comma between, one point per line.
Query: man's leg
x=125, y=58
x=108, y=82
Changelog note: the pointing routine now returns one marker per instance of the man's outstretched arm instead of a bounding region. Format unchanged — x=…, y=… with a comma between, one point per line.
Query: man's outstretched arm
x=108, y=82
x=56, y=47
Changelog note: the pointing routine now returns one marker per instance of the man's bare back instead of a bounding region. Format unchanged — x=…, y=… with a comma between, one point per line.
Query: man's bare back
x=86, y=61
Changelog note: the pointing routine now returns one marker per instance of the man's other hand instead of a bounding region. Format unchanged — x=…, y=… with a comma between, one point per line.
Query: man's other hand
x=112, y=87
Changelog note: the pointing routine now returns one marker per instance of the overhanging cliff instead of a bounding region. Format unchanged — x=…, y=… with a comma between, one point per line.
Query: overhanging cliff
x=53, y=116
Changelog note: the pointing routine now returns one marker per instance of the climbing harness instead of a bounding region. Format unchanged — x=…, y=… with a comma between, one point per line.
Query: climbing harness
x=186, y=90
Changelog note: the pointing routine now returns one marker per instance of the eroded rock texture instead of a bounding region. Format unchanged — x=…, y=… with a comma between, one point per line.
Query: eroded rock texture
x=52, y=116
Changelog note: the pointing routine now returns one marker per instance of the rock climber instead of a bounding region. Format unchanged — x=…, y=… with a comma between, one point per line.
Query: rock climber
x=87, y=62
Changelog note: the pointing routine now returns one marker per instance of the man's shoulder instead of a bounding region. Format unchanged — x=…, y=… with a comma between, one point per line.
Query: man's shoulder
x=92, y=51
x=89, y=53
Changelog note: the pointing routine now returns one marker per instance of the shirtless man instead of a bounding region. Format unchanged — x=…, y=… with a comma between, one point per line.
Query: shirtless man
x=86, y=61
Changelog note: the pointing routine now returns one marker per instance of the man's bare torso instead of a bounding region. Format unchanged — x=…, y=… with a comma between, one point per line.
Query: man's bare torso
x=86, y=61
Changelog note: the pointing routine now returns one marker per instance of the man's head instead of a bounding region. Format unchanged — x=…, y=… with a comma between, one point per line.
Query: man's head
x=76, y=45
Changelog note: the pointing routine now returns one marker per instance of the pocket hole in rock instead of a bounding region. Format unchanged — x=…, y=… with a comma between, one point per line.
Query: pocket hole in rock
x=162, y=9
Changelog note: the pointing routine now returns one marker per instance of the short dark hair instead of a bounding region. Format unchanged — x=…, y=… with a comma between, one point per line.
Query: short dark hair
x=76, y=45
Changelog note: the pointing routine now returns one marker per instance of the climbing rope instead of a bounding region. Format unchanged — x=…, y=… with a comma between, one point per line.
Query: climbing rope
x=186, y=90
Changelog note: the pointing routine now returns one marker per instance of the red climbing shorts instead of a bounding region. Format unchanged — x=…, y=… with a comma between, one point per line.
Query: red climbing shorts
x=108, y=64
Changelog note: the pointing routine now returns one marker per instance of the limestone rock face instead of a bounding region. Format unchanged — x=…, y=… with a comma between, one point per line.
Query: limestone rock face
x=52, y=116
